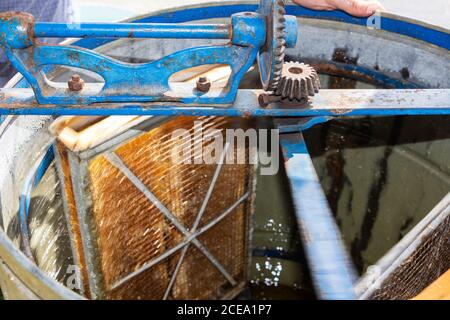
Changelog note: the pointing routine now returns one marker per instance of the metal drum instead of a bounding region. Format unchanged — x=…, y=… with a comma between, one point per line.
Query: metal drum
x=372, y=169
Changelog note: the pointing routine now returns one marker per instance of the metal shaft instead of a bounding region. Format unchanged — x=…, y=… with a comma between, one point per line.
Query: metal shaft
x=132, y=30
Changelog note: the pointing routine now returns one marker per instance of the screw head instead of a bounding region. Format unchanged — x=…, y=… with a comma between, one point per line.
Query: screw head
x=203, y=84
x=75, y=83
x=263, y=100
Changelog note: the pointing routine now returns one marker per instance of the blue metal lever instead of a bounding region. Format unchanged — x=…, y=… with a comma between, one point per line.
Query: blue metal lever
x=126, y=82
x=330, y=266
x=132, y=30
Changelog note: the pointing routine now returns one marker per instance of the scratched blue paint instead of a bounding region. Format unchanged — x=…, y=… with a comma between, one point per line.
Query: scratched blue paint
x=134, y=82
x=132, y=30
x=291, y=148
x=304, y=124
x=12, y=31
x=331, y=269
x=147, y=82
x=135, y=109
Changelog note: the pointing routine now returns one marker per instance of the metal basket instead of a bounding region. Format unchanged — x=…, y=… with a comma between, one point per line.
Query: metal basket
x=421, y=257
x=144, y=227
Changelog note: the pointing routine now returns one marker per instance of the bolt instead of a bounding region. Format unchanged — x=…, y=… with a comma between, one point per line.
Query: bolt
x=203, y=84
x=75, y=83
x=264, y=99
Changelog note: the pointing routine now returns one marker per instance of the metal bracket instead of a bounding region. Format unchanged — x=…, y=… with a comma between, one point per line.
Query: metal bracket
x=126, y=82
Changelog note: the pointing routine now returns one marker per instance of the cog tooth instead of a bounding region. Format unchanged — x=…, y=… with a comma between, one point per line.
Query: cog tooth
x=277, y=51
x=291, y=89
x=279, y=89
x=296, y=90
x=303, y=91
x=287, y=89
x=310, y=86
x=280, y=52
x=316, y=85
x=278, y=68
x=297, y=81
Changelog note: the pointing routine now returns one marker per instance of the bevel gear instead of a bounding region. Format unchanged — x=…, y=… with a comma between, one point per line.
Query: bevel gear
x=271, y=55
x=298, y=82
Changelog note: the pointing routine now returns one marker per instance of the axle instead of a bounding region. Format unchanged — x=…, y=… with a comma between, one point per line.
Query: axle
x=133, y=30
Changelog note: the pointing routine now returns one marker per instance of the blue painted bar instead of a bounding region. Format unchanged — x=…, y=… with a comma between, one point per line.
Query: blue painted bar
x=133, y=30
x=130, y=110
x=331, y=270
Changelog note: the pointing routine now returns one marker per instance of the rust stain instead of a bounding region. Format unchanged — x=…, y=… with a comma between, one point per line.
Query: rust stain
x=247, y=115
x=341, y=55
x=340, y=111
x=333, y=70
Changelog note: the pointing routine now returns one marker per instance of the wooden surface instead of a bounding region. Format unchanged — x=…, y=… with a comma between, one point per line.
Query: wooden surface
x=438, y=290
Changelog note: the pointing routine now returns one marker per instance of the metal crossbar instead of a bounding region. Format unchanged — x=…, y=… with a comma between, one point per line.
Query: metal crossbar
x=198, y=218
x=191, y=236
x=329, y=103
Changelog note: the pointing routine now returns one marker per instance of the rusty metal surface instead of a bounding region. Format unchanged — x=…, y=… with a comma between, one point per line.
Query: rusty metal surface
x=298, y=82
x=327, y=103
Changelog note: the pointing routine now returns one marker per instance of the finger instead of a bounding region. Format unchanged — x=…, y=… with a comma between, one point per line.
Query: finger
x=359, y=8
x=374, y=7
x=315, y=4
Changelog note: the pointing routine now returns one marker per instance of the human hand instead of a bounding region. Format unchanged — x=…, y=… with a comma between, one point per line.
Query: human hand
x=358, y=8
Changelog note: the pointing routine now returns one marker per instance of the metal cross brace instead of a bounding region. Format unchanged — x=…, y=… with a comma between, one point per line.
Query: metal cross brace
x=191, y=235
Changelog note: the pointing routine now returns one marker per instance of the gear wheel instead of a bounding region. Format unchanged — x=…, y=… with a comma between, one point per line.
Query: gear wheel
x=271, y=55
x=298, y=81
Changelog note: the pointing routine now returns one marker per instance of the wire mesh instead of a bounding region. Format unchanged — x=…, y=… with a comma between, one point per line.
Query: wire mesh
x=132, y=232
x=427, y=263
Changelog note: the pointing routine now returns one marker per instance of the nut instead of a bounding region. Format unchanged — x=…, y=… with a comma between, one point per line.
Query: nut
x=75, y=83
x=203, y=84
x=264, y=99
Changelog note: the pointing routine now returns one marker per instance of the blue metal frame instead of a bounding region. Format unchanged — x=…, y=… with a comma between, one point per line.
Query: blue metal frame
x=331, y=269
x=124, y=82
x=132, y=30
x=147, y=82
